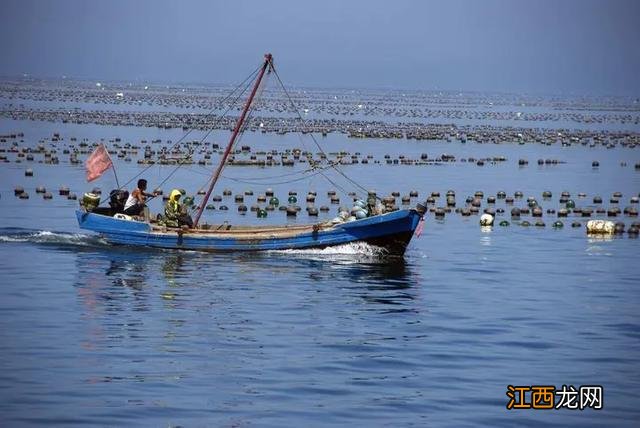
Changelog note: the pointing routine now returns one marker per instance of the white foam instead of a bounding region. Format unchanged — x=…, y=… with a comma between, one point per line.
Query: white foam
x=351, y=249
x=49, y=237
x=11, y=239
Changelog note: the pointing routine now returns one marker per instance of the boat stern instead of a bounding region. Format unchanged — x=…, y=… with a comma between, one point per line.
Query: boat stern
x=108, y=225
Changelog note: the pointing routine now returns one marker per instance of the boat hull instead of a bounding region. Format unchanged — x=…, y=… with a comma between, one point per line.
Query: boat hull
x=391, y=232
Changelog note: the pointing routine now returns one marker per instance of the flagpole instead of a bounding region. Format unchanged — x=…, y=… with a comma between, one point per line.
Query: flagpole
x=115, y=175
x=113, y=167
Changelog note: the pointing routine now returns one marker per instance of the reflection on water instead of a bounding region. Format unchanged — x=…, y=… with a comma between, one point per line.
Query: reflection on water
x=378, y=281
x=487, y=230
x=127, y=273
x=172, y=267
x=114, y=275
x=396, y=270
x=111, y=334
x=111, y=277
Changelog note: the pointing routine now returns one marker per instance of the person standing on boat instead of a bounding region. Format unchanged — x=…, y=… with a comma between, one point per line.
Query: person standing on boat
x=175, y=213
x=136, y=200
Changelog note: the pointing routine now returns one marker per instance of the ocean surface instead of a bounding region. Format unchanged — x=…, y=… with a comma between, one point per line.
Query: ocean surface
x=100, y=335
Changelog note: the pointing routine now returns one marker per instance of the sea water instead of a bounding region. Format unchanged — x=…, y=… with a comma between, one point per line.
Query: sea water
x=101, y=335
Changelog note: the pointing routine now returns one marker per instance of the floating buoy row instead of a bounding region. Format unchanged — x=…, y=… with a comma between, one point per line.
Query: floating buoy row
x=593, y=227
x=476, y=200
x=183, y=154
x=472, y=204
x=277, y=122
x=197, y=152
x=356, y=107
x=568, y=206
x=21, y=193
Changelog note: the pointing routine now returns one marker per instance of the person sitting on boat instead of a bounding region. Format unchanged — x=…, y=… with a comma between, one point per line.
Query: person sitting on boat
x=136, y=200
x=373, y=207
x=175, y=213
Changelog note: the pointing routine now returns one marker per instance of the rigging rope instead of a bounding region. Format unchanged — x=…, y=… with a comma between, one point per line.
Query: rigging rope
x=249, y=78
x=191, y=150
x=316, y=142
x=247, y=82
x=256, y=180
x=243, y=127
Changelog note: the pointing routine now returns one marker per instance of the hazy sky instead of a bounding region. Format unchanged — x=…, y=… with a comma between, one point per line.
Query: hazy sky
x=554, y=46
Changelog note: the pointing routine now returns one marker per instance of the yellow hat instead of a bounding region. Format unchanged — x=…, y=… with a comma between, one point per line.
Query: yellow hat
x=174, y=195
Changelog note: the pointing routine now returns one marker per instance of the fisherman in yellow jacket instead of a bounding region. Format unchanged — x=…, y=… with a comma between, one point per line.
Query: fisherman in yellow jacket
x=175, y=213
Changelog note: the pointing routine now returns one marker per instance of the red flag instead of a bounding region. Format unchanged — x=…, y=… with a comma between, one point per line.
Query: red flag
x=98, y=163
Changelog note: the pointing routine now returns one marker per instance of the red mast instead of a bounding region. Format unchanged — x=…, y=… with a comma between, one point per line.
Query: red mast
x=268, y=64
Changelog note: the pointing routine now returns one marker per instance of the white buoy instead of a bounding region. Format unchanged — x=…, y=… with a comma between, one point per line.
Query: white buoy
x=486, y=220
x=601, y=227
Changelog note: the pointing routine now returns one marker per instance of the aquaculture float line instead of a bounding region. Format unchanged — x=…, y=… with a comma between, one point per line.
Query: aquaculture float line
x=351, y=128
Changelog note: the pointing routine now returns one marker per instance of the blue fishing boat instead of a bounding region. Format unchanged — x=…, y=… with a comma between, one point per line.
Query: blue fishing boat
x=389, y=231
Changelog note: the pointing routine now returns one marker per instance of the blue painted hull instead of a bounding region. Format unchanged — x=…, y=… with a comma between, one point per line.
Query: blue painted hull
x=391, y=231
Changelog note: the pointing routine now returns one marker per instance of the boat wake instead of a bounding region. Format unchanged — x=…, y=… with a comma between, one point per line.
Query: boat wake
x=47, y=237
x=349, y=252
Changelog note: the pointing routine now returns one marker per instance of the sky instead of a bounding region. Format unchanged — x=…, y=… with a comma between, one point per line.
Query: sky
x=589, y=47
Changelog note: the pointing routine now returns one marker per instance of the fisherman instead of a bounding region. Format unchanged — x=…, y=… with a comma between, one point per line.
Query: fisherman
x=373, y=208
x=175, y=213
x=136, y=200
